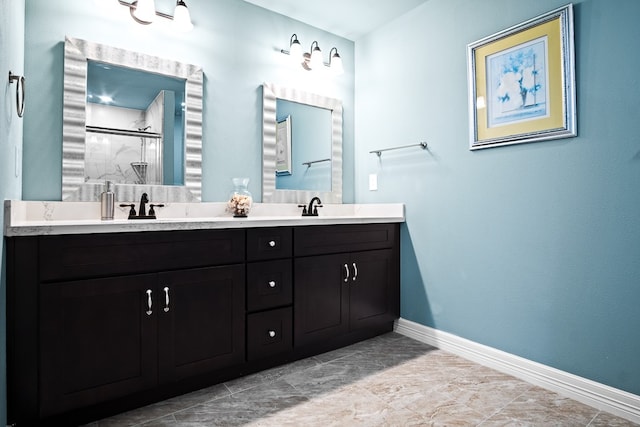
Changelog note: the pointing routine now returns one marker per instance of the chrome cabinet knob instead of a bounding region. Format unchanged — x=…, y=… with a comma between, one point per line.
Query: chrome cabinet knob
x=272, y=284
x=272, y=243
x=272, y=334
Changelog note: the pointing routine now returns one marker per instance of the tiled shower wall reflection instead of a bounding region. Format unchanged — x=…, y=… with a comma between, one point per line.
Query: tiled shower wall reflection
x=113, y=157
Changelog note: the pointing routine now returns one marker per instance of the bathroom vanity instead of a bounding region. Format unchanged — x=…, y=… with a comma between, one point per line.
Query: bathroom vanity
x=103, y=317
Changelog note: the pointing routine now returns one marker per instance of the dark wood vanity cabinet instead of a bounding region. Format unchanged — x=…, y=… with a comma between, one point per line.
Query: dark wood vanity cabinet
x=346, y=280
x=104, y=318
x=269, y=292
x=105, y=338
x=121, y=313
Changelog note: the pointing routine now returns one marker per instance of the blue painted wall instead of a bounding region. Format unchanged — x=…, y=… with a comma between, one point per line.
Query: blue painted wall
x=237, y=44
x=11, y=59
x=532, y=249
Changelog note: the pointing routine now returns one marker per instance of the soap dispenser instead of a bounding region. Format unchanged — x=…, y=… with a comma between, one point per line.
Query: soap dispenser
x=107, y=202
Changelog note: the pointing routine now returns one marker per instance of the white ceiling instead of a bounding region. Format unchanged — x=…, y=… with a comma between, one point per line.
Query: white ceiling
x=350, y=19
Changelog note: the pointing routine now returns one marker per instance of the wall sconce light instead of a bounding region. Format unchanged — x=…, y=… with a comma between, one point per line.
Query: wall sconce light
x=295, y=48
x=312, y=60
x=335, y=62
x=144, y=12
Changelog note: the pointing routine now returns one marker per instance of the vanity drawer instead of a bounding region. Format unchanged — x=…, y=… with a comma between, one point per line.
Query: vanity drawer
x=269, y=333
x=67, y=257
x=269, y=243
x=328, y=239
x=269, y=284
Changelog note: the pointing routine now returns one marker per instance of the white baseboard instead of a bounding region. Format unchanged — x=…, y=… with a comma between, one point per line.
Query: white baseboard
x=600, y=396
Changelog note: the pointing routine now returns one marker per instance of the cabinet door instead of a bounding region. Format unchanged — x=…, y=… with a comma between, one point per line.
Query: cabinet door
x=372, y=289
x=320, y=298
x=201, y=320
x=98, y=342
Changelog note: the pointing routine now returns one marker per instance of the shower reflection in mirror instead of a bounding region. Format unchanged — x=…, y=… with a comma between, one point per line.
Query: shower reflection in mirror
x=134, y=127
x=125, y=145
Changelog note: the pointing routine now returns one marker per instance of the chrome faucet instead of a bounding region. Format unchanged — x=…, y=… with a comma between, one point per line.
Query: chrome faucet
x=311, y=210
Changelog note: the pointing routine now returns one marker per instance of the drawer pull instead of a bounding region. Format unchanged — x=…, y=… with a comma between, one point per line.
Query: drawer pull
x=272, y=334
x=272, y=284
x=346, y=272
x=166, y=299
x=272, y=243
x=149, y=302
x=355, y=272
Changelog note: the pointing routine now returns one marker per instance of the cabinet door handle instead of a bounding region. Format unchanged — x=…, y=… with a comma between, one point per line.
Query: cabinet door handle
x=272, y=243
x=166, y=299
x=272, y=284
x=272, y=334
x=149, y=302
x=346, y=273
x=355, y=272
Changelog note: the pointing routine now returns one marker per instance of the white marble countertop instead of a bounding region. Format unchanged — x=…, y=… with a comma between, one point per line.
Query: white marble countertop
x=32, y=218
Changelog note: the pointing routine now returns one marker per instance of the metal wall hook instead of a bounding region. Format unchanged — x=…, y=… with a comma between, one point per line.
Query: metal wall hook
x=19, y=92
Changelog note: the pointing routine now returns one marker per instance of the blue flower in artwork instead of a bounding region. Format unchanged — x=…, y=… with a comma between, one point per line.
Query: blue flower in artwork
x=504, y=98
x=518, y=85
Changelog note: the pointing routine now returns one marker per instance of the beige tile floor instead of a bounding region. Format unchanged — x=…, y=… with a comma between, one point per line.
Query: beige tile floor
x=390, y=380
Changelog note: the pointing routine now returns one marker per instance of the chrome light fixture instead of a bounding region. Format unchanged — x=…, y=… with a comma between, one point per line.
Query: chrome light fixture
x=312, y=60
x=144, y=12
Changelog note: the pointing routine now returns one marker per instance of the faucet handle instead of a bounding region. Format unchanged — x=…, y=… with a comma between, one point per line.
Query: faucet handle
x=304, y=209
x=315, y=210
x=132, y=209
x=152, y=211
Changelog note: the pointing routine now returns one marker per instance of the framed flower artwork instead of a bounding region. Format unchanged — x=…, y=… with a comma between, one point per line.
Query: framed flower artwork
x=522, y=82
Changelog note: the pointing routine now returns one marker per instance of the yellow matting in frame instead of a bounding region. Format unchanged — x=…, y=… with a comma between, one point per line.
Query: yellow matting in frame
x=555, y=120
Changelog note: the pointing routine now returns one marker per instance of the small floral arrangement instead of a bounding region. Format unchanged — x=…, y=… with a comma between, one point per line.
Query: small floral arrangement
x=239, y=205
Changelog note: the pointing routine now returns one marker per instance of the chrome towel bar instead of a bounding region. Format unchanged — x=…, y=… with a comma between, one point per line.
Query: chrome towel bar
x=308, y=164
x=423, y=145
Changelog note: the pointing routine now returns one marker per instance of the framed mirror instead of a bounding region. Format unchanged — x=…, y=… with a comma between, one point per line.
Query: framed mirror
x=177, y=167
x=282, y=105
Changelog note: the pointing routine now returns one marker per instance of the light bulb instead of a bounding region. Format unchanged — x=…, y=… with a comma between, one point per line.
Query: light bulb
x=316, y=58
x=182, y=18
x=336, y=64
x=295, y=51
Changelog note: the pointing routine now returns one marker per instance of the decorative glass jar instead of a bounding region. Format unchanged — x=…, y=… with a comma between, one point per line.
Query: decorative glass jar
x=240, y=201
